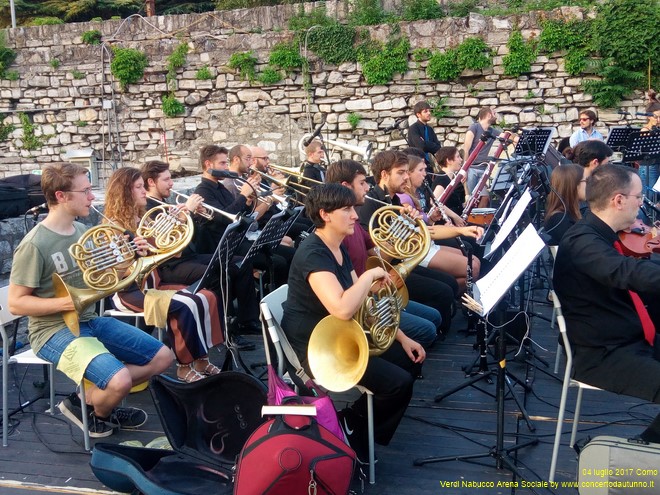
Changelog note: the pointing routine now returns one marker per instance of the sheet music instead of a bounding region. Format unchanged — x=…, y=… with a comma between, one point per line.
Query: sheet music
x=492, y=287
x=511, y=221
x=656, y=186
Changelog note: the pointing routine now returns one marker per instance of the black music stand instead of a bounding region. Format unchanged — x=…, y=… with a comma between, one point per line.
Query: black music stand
x=514, y=265
x=618, y=137
x=642, y=146
x=271, y=235
x=534, y=142
x=224, y=253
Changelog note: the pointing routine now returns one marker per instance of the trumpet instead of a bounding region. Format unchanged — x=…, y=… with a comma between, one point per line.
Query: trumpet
x=205, y=211
x=285, y=183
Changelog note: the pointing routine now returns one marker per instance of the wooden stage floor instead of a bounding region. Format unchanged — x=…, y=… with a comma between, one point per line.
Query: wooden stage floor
x=45, y=453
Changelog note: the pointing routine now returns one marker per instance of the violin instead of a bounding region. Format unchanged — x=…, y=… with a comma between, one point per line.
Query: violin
x=640, y=240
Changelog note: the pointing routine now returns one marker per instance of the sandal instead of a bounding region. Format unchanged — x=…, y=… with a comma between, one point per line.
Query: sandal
x=209, y=368
x=191, y=375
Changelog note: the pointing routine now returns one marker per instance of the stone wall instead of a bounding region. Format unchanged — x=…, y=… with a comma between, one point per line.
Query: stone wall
x=78, y=105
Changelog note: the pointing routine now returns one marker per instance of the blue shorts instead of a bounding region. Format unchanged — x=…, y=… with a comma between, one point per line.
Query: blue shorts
x=125, y=344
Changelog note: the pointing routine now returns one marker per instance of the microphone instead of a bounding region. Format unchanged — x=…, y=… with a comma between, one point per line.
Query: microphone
x=395, y=125
x=316, y=133
x=644, y=114
x=223, y=174
x=36, y=209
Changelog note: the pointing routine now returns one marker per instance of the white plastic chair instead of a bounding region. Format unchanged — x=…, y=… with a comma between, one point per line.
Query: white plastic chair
x=568, y=382
x=271, y=310
x=117, y=313
x=26, y=357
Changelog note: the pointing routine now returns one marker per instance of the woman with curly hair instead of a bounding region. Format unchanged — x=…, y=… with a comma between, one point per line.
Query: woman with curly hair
x=193, y=320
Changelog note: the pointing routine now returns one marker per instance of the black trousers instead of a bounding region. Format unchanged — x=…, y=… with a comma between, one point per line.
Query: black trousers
x=627, y=370
x=390, y=377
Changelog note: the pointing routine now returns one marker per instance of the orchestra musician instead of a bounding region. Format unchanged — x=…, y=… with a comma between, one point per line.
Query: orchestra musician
x=323, y=282
x=193, y=320
x=113, y=355
x=449, y=160
x=612, y=337
x=562, y=208
x=312, y=167
x=420, y=322
x=429, y=287
x=485, y=120
x=443, y=258
x=190, y=267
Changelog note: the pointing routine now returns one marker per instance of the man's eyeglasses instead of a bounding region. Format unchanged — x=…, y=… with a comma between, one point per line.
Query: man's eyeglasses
x=87, y=191
x=261, y=157
x=638, y=196
x=584, y=119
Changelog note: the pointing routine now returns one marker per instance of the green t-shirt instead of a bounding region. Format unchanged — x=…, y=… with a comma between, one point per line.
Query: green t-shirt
x=40, y=254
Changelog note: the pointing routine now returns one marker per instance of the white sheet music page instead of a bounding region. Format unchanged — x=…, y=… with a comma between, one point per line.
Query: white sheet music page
x=656, y=186
x=511, y=221
x=492, y=287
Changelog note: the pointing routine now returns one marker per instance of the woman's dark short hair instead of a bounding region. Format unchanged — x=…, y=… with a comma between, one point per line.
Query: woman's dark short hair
x=327, y=197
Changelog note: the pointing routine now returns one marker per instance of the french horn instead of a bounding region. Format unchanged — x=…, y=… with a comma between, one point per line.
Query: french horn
x=103, y=255
x=338, y=350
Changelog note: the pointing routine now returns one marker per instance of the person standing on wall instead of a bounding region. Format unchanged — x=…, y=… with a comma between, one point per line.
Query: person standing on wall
x=485, y=120
x=421, y=135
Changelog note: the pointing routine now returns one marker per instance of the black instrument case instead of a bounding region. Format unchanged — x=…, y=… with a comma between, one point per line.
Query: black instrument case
x=206, y=422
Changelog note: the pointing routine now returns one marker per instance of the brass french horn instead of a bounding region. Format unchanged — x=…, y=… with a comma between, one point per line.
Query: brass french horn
x=103, y=255
x=339, y=350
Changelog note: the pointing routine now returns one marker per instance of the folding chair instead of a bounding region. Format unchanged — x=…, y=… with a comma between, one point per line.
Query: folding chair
x=26, y=357
x=568, y=382
x=271, y=310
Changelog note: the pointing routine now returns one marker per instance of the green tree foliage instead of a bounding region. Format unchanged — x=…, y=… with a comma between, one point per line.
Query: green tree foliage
x=244, y=63
x=628, y=31
x=333, y=43
x=472, y=53
x=367, y=13
x=84, y=10
x=7, y=55
x=616, y=83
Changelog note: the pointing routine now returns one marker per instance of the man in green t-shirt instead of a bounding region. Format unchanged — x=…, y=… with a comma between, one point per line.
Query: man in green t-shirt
x=112, y=355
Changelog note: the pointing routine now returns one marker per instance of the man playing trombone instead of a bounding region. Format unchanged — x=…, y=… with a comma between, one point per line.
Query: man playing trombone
x=113, y=356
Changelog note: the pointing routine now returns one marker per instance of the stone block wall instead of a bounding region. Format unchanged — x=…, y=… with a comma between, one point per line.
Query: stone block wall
x=79, y=105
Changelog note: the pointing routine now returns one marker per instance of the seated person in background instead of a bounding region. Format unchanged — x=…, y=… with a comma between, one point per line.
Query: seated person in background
x=261, y=162
x=279, y=259
x=241, y=279
x=430, y=287
x=443, y=258
x=587, y=131
x=449, y=160
x=312, y=167
x=649, y=170
x=112, y=355
x=193, y=320
x=418, y=321
x=612, y=338
x=590, y=155
x=323, y=282
x=190, y=267
x=562, y=208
